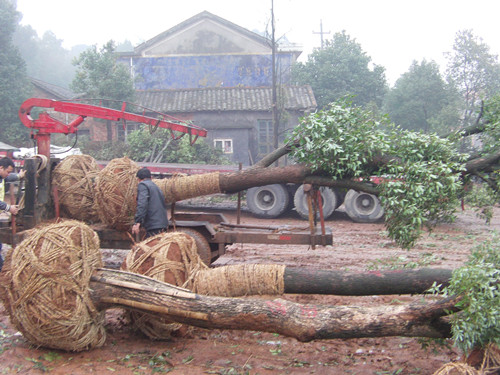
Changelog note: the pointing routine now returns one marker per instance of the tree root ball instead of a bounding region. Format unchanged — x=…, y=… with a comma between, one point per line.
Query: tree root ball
x=168, y=257
x=74, y=178
x=45, y=287
x=116, y=193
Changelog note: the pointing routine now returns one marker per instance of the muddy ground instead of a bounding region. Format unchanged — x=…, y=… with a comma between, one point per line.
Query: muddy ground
x=356, y=247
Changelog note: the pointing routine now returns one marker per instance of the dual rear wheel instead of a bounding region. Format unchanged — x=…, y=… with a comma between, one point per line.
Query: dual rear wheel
x=271, y=201
x=362, y=207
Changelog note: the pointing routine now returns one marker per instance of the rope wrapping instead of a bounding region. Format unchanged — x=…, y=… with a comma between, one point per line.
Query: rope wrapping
x=74, y=177
x=489, y=365
x=168, y=257
x=45, y=287
x=184, y=187
x=241, y=280
x=116, y=193
x=173, y=258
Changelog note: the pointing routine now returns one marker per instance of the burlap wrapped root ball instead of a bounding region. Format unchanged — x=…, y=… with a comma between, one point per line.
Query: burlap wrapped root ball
x=180, y=187
x=46, y=292
x=116, y=193
x=168, y=257
x=74, y=178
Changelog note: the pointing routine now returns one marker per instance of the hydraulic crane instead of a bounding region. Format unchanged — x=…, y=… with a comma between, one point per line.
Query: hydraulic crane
x=45, y=124
x=211, y=231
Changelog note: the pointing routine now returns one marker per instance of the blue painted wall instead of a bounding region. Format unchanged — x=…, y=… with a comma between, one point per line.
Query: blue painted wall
x=180, y=72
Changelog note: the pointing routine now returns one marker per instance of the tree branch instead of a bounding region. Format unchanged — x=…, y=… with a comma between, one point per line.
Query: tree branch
x=484, y=164
x=343, y=184
x=270, y=158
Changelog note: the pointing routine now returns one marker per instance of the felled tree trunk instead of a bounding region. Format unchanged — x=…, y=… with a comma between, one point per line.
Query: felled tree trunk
x=310, y=281
x=301, y=321
x=298, y=173
x=237, y=181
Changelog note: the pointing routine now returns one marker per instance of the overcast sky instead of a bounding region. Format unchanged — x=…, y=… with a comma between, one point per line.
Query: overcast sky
x=392, y=32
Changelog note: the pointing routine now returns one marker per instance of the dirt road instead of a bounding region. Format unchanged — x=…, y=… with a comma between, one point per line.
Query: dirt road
x=356, y=247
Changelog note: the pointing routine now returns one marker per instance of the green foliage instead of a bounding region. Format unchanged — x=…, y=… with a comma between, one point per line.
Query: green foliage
x=100, y=76
x=341, y=140
x=474, y=71
x=422, y=179
x=103, y=150
x=14, y=85
x=342, y=68
x=481, y=198
x=159, y=147
x=478, y=322
x=490, y=138
x=418, y=96
x=486, y=192
x=424, y=185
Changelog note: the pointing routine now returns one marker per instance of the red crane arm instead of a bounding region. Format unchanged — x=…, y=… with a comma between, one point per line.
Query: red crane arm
x=47, y=124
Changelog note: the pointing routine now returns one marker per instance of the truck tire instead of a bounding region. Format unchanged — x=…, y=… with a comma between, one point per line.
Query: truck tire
x=328, y=197
x=268, y=201
x=362, y=207
x=202, y=244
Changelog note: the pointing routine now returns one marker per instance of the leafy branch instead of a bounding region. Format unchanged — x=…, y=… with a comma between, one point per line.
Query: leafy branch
x=478, y=322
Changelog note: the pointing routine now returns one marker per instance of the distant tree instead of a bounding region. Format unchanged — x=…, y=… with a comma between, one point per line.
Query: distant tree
x=25, y=38
x=418, y=96
x=46, y=59
x=342, y=68
x=125, y=46
x=474, y=71
x=100, y=76
x=14, y=86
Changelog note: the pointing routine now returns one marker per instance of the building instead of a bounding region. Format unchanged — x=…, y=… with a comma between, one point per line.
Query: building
x=215, y=74
x=219, y=76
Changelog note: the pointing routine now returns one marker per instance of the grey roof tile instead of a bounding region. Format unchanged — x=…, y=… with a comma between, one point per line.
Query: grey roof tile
x=300, y=98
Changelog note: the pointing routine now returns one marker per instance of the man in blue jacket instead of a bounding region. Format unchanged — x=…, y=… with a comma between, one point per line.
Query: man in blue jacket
x=151, y=207
x=6, y=168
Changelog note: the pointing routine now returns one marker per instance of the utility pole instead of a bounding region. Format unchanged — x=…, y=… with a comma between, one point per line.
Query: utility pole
x=321, y=32
x=274, y=89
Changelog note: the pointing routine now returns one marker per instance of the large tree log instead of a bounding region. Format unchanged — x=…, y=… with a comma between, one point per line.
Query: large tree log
x=298, y=173
x=303, y=322
x=259, y=279
x=309, y=281
x=237, y=181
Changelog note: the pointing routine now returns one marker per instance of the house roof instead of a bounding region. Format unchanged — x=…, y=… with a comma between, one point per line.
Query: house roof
x=300, y=98
x=195, y=19
x=6, y=147
x=57, y=92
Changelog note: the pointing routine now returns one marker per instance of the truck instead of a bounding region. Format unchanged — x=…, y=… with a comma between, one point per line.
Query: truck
x=271, y=201
x=211, y=231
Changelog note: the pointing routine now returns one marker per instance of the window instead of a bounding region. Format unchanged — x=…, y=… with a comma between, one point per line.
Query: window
x=226, y=145
x=265, y=136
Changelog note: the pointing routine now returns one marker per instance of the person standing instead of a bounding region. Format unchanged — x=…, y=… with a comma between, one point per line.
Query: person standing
x=151, y=207
x=6, y=168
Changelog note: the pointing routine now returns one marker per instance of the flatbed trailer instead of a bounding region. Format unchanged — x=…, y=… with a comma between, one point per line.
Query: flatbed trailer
x=211, y=231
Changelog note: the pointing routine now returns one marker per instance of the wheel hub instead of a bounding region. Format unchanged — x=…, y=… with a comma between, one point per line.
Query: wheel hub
x=365, y=204
x=265, y=200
